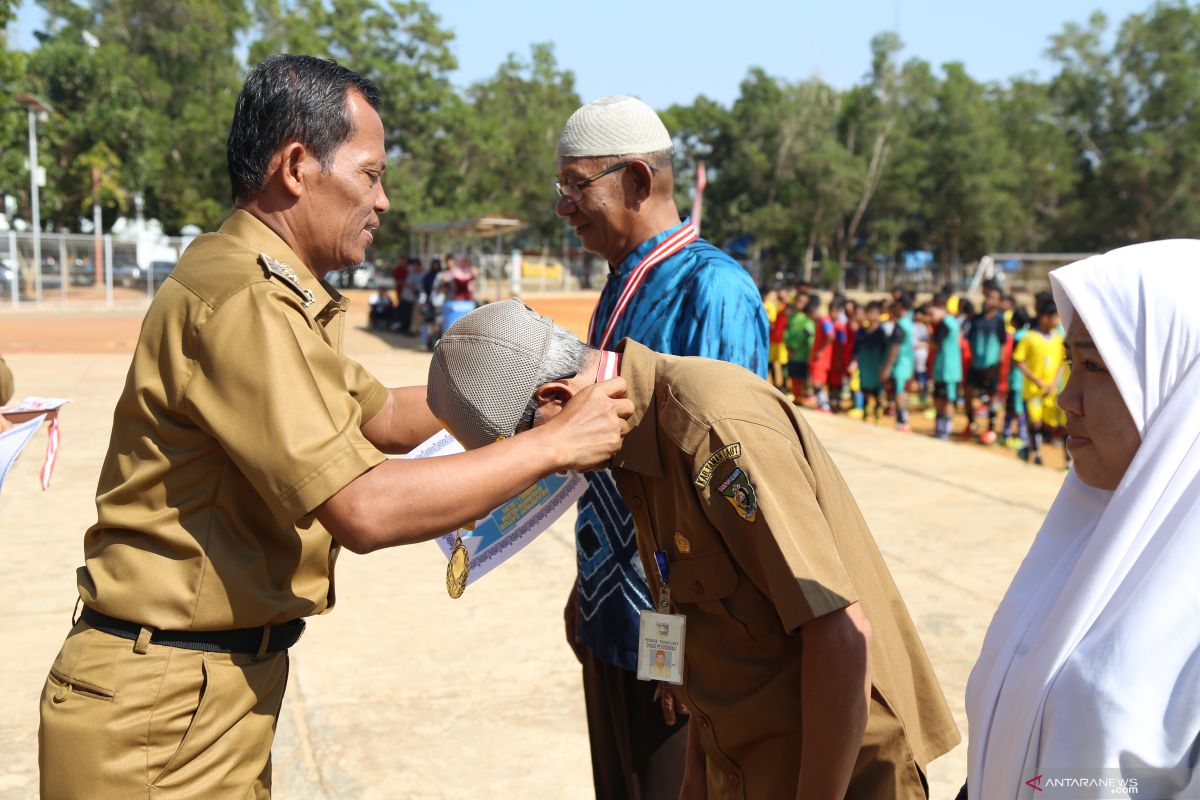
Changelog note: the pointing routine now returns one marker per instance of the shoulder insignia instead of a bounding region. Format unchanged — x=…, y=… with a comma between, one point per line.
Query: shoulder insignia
x=287, y=275
x=715, y=460
x=738, y=490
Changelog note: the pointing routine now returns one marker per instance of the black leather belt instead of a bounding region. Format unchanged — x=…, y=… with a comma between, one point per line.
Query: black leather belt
x=241, y=640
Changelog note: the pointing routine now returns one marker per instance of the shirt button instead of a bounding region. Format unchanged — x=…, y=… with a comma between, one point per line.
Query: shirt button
x=698, y=587
x=61, y=695
x=636, y=502
x=704, y=723
x=733, y=779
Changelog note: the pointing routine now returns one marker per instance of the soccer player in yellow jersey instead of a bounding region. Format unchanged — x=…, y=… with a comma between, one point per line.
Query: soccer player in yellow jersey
x=1040, y=356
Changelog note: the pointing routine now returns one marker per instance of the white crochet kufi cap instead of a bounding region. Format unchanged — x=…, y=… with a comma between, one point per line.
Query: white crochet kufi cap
x=613, y=126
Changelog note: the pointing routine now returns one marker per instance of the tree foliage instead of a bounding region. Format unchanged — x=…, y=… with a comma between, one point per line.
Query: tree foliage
x=1105, y=151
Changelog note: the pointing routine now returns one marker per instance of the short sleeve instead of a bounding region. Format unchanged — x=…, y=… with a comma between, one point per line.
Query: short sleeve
x=6, y=383
x=1021, y=353
x=280, y=401
x=764, y=505
x=364, y=387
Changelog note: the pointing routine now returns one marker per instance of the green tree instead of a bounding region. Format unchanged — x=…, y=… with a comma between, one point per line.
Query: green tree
x=14, y=178
x=971, y=206
x=516, y=117
x=404, y=50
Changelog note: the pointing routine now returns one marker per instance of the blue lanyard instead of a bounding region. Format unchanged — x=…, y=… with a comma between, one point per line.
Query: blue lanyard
x=664, y=595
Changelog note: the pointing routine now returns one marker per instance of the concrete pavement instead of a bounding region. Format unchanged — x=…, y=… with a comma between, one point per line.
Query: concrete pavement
x=404, y=693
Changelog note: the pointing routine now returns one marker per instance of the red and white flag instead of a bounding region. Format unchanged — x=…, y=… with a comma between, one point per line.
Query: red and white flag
x=698, y=204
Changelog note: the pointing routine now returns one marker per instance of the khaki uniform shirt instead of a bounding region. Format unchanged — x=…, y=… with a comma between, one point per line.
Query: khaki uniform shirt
x=762, y=535
x=239, y=416
x=6, y=383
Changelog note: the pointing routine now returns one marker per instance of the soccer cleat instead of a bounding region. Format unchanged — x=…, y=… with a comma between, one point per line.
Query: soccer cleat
x=1037, y=460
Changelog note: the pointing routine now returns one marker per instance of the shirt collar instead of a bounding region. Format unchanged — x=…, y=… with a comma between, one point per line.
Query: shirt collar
x=254, y=232
x=643, y=249
x=639, y=451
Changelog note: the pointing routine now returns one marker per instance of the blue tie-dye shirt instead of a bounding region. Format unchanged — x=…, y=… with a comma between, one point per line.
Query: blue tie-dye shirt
x=698, y=302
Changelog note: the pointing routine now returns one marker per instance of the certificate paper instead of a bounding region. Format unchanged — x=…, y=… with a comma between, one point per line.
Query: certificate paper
x=514, y=524
x=13, y=441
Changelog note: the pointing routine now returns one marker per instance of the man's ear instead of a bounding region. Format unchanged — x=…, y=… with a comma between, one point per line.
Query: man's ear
x=643, y=179
x=557, y=392
x=293, y=160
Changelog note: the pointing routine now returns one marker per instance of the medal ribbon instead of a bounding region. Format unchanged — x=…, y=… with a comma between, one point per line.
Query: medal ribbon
x=610, y=366
x=661, y=252
x=52, y=442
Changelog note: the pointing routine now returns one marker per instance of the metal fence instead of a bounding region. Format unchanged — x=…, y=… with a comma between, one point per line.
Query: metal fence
x=79, y=270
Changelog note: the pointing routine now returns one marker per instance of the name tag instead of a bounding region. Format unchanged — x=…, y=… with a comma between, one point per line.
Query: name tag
x=660, y=650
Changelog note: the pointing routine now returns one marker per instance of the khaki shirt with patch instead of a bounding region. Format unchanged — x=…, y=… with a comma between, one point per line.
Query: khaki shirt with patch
x=239, y=416
x=749, y=574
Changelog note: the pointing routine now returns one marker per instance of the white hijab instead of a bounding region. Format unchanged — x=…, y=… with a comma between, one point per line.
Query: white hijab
x=1092, y=660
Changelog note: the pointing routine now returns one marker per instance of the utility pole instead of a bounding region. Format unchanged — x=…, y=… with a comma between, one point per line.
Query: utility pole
x=36, y=107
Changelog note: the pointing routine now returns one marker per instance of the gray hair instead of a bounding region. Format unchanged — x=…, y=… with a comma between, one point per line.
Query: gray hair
x=565, y=357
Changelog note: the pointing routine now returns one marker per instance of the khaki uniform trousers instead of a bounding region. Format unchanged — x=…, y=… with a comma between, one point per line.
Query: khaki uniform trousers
x=164, y=722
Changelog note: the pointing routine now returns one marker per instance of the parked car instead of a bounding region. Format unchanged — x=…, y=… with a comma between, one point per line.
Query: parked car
x=134, y=276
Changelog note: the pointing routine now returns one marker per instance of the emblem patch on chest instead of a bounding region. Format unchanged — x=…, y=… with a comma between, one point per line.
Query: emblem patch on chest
x=704, y=476
x=738, y=490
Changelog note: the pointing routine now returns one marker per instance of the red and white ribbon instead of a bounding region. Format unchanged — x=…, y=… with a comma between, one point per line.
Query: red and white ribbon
x=661, y=252
x=610, y=366
x=52, y=442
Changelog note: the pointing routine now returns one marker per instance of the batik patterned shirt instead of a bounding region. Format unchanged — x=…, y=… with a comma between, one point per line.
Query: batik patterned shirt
x=698, y=302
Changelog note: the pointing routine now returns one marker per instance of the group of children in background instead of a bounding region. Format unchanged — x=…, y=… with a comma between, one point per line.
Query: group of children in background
x=873, y=360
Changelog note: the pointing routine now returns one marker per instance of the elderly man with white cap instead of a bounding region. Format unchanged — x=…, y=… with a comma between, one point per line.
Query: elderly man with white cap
x=802, y=668
x=674, y=293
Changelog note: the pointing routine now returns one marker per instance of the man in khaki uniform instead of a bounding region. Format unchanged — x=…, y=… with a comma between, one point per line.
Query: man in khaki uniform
x=803, y=671
x=6, y=382
x=245, y=448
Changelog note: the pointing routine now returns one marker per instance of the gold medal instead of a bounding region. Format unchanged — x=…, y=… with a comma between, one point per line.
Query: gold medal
x=458, y=568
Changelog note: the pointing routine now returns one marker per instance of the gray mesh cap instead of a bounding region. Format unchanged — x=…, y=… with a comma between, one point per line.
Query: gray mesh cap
x=485, y=369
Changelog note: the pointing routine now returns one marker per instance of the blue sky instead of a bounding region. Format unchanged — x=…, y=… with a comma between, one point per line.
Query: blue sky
x=671, y=53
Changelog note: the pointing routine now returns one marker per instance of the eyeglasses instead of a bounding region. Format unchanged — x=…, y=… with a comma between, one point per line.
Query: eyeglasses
x=574, y=190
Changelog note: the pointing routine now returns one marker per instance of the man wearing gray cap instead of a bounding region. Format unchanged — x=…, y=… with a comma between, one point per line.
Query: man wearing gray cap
x=802, y=668
x=674, y=293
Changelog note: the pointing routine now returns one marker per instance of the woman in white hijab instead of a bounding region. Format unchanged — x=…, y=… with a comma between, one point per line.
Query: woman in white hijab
x=1089, y=675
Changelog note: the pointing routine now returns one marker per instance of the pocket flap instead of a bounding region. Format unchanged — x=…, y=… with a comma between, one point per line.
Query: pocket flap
x=703, y=578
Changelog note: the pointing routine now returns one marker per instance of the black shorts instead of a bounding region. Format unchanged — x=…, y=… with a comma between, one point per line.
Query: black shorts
x=986, y=381
x=945, y=391
x=798, y=369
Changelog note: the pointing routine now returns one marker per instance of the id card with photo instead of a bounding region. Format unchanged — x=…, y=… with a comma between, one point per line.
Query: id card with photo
x=660, y=647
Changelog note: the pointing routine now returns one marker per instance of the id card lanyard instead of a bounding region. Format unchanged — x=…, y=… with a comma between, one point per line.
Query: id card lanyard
x=660, y=640
x=664, y=594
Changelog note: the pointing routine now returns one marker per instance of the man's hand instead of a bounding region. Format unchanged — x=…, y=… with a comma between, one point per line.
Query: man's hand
x=666, y=700
x=591, y=426
x=571, y=621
